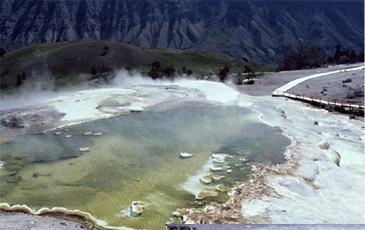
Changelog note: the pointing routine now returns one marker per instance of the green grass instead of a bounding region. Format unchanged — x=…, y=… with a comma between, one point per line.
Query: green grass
x=70, y=63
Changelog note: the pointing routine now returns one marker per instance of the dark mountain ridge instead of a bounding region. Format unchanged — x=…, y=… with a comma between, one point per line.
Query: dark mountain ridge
x=257, y=30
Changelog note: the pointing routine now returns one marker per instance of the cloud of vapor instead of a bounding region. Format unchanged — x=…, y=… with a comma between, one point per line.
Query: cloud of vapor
x=40, y=87
x=34, y=90
x=127, y=79
x=214, y=91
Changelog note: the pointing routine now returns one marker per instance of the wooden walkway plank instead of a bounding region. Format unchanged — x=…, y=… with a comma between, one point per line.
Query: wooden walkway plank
x=342, y=103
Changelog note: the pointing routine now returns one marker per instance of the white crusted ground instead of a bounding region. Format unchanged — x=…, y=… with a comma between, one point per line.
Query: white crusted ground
x=320, y=191
x=316, y=192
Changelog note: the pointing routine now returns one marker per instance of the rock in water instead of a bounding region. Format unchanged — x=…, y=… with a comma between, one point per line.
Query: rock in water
x=137, y=208
x=203, y=194
x=221, y=188
x=215, y=168
x=186, y=155
x=84, y=149
x=219, y=161
x=216, y=178
x=219, y=158
x=88, y=133
x=206, y=180
x=219, y=155
x=243, y=159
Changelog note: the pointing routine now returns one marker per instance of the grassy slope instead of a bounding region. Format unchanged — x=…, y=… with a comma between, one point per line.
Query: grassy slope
x=68, y=63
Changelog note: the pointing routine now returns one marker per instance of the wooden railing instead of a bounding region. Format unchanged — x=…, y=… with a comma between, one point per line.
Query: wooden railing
x=346, y=104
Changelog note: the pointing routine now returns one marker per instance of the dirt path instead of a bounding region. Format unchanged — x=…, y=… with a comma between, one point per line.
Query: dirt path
x=270, y=82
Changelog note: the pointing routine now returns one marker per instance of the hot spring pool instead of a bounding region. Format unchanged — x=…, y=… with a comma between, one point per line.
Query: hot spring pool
x=135, y=157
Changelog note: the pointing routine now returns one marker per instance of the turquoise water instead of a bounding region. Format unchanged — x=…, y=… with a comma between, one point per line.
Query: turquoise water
x=136, y=157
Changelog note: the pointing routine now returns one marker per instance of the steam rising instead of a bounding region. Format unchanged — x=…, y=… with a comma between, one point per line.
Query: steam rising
x=35, y=91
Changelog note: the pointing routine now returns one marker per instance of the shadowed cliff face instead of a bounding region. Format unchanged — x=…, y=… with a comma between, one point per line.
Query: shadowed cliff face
x=257, y=30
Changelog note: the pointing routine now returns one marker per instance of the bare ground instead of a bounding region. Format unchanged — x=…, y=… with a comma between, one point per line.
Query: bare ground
x=266, y=84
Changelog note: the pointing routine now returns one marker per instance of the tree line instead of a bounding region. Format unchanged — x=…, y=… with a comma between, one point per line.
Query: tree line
x=157, y=71
x=301, y=57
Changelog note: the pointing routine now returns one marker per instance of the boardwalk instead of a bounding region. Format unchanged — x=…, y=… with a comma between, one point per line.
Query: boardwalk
x=341, y=104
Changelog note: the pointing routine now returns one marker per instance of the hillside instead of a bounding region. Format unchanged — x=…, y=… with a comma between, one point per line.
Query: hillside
x=259, y=31
x=70, y=63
